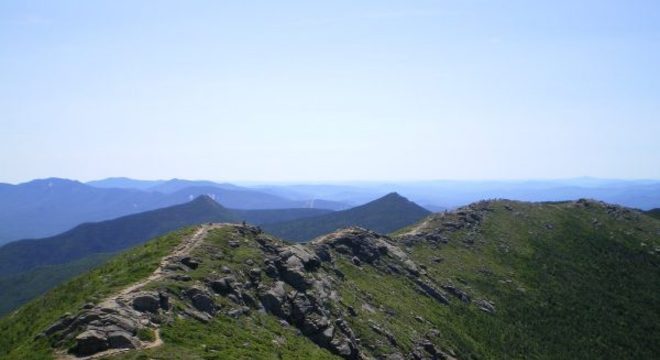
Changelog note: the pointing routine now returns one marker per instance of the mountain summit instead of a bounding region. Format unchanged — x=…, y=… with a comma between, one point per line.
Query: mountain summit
x=108, y=236
x=386, y=214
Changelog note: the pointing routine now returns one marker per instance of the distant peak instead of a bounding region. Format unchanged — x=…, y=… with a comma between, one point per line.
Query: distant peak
x=393, y=196
x=53, y=181
x=204, y=199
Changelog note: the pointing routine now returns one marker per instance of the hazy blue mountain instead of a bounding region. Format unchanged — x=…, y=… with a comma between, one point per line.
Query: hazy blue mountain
x=270, y=216
x=434, y=208
x=124, y=183
x=45, y=207
x=350, y=194
x=642, y=194
x=108, y=236
x=175, y=185
x=22, y=287
x=386, y=214
x=31, y=267
x=233, y=198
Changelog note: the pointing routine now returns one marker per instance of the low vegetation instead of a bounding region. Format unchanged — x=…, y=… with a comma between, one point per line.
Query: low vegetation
x=495, y=280
x=20, y=328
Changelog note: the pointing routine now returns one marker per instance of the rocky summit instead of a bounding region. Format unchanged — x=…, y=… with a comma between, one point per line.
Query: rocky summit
x=496, y=279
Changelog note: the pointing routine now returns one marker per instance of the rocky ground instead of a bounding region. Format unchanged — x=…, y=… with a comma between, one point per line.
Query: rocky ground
x=362, y=295
x=301, y=290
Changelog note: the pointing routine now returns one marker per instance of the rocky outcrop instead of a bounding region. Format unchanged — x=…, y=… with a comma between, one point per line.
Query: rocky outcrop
x=101, y=328
x=300, y=296
x=364, y=245
x=201, y=300
x=115, y=322
x=437, y=227
x=146, y=301
x=296, y=283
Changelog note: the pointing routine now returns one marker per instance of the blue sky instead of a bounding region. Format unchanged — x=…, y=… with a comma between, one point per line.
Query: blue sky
x=339, y=90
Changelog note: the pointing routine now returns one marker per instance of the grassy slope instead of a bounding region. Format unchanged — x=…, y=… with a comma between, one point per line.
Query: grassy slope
x=21, y=288
x=29, y=268
x=259, y=336
x=19, y=328
x=582, y=289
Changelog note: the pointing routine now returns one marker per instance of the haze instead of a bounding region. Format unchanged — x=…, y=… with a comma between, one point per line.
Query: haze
x=375, y=90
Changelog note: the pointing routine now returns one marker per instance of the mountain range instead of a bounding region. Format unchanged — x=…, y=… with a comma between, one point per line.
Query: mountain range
x=49, y=261
x=448, y=194
x=47, y=207
x=493, y=280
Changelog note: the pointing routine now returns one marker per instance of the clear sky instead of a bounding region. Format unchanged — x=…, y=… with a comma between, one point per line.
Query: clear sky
x=333, y=90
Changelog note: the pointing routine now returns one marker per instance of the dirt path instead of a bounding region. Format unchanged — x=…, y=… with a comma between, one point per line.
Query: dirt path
x=121, y=299
x=183, y=249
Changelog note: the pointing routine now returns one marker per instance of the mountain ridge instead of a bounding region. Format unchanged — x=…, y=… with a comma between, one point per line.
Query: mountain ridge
x=64, y=255
x=384, y=214
x=546, y=277
x=131, y=229
x=47, y=207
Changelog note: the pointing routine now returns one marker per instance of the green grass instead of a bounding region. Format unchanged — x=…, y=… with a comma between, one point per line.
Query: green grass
x=568, y=282
x=582, y=289
x=146, y=334
x=20, y=328
x=257, y=337
x=21, y=288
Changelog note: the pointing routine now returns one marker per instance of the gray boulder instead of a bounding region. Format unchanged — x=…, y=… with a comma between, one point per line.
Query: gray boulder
x=90, y=342
x=223, y=285
x=274, y=299
x=146, y=302
x=120, y=340
x=190, y=262
x=201, y=300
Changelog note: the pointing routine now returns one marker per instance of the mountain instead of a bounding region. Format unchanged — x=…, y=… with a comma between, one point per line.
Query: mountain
x=493, y=280
x=19, y=288
x=654, y=212
x=270, y=216
x=125, y=183
x=642, y=194
x=107, y=236
x=240, y=198
x=31, y=267
x=386, y=214
x=174, y=185
x=47, y=207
